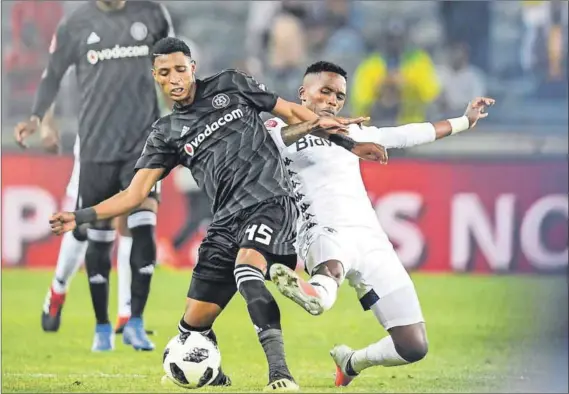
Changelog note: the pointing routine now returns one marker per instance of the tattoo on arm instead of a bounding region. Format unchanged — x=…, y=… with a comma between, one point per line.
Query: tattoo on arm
x=291, y=134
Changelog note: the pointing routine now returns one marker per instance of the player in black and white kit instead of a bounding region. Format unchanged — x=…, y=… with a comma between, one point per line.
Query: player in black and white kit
x=215, y=131
x=109, y=44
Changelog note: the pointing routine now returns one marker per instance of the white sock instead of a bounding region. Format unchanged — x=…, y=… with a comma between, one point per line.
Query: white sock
x=327, y=288
x=71, y=255
x=124, y=274
x=379, y=353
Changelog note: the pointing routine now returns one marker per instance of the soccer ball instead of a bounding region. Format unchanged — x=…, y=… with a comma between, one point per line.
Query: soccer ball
x=191, y=360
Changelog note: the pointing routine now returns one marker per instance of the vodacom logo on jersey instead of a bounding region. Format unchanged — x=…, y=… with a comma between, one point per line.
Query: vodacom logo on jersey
x=227, y=118
x=117, y=52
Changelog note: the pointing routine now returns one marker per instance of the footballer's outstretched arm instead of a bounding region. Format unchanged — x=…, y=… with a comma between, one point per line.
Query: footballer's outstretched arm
x=321, y=127
x=119, y=204
x=327, y=128
x=293, y=113
x=62, y=54
x=422, y=133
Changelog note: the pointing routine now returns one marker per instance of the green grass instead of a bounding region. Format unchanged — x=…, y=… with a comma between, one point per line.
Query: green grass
x=475, y=326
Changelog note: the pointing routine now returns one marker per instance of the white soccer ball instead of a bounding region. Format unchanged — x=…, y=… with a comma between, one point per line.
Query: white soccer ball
x=191, y=360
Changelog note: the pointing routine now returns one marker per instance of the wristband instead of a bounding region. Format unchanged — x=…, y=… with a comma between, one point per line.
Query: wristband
x=342, y=140
x=459, y=124
x=86, y=215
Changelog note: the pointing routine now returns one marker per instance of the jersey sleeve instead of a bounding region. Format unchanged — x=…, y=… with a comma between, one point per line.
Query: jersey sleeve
x=395, y=137
x=157, y=153
x=62, y=54
x=167, y=26
x=254, y=92
x=274, y=126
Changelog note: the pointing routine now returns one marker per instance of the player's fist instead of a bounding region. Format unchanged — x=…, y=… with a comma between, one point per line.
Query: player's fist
x=24, y=129
x=476, y=109
x=62, y=222
x=370, y=151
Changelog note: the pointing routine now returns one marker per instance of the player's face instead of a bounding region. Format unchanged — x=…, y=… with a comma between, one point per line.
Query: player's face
x=323, y=93
x=175, y=75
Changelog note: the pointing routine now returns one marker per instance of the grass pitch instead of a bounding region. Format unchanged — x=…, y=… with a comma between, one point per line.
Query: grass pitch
x=477, y=327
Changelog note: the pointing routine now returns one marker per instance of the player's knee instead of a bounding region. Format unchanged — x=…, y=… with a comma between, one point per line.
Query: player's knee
x=251, y=257
x=80, y=233
x=410, y=341
x=413, y=351
x=122, y=226
x=105, y=225
x=332, y=268
x=261, y=305
x=141, y=224
x=200, y=314
x=149, y=204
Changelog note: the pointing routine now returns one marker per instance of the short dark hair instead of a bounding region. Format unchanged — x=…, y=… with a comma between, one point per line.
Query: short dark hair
x=323, y=66
x=169, y=45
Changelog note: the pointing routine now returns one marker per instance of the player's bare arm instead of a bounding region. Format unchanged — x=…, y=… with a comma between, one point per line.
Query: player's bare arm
x=292, y=113
x=49, y=132
x=334, y=130
x=321, y=127
x=62, y=56
x=119, y=204
x=475, y=111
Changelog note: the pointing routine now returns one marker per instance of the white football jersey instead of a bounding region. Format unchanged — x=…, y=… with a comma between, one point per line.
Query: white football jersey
x=327, y=181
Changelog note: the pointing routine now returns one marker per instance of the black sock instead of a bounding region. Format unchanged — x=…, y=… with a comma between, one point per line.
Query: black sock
x=184, y=328
x=350, y=369
x=265, y=315
x=142, y=262
x=98, y=264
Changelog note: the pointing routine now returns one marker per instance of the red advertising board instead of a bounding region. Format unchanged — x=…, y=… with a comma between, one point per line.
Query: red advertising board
x=447, y=215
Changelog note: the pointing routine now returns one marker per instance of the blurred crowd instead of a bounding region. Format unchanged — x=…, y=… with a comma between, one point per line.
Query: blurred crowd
x=408, y=61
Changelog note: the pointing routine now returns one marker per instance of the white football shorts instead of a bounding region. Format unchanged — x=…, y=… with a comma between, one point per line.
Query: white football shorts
x=72, y=190
x=371, y=267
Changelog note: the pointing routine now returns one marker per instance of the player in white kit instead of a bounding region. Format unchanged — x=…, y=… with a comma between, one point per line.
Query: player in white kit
x=74, y=245
x=339, y=235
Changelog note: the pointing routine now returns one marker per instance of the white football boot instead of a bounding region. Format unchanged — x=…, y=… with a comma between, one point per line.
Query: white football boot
x=341, y=355
x=292, y=286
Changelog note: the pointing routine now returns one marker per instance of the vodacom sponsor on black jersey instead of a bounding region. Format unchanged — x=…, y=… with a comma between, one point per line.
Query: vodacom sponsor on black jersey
x=110, y=51
x=222, y=140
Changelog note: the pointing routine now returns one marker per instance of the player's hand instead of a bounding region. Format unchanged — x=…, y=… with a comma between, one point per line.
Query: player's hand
x=62, y=222
x=331, y=124
x=49, y=139
x=324, y=127
x=349, y=121
x=476, y=109
x=371, y=152
x=24, y=129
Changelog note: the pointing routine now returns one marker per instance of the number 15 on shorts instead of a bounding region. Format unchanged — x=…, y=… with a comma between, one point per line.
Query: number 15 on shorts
x=259, y=233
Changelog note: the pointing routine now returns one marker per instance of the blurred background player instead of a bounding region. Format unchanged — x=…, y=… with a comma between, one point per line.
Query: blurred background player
x=109, y=43
x=73, y=245
x=221, y=139
x=198, y=217
x=339, y=235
